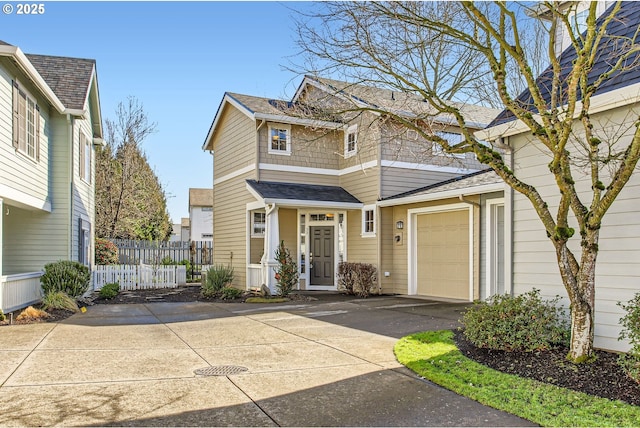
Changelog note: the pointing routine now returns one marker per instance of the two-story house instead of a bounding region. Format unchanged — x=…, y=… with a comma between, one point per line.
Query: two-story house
x=50, y=121
x=357, y=188
x=201, y=214
x=614, y=112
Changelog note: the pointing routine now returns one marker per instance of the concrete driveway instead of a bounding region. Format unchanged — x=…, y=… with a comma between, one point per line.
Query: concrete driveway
x=327, y=362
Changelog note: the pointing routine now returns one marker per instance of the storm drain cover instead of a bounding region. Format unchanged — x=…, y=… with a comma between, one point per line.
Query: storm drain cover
x=220, y=370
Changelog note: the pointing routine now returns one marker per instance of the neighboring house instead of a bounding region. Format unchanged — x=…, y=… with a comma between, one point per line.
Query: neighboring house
x=201, y=214
x=364, y=189
x=615, y=109
x=50, y=121
x=185, y=229
x=176, y=232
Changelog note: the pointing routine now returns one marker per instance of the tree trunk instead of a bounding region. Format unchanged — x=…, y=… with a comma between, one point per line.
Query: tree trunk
x=582, y=319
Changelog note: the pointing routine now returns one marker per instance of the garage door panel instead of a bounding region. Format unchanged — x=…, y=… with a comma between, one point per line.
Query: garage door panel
x=442, y=254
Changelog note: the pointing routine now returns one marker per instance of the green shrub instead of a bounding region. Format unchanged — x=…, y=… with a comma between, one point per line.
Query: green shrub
x=218, y=276
x=109, y=291
x=630, y=361
x=516, y=323
x=3, y=317
x=71, y=277
x=286, y=272
x=59, y=300
x=106, y=252
x=230, y=293
x=167, y=261
x=356, y=279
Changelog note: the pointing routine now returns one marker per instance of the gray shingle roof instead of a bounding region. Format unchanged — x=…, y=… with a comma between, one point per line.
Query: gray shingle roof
x=468, y=181
x=624, y=25
x=302, y=192
x=69, y=78
x=257, y=104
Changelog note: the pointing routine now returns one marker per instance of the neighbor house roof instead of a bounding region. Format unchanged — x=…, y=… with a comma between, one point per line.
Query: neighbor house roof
x=200, y=197
x=275, y=192
x=621, y=29
x=484, y=181
x=184, y=222
x=401, y=103
x=69, y=78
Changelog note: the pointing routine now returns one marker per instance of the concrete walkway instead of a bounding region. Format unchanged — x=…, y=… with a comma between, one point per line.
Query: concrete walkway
x=328, y=362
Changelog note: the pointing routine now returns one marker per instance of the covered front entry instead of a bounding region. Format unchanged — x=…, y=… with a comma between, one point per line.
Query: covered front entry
x=441, y=253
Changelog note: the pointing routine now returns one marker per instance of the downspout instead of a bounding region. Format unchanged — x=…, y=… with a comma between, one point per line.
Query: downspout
x=262, y=123
x=70, y=125
x=378, y=221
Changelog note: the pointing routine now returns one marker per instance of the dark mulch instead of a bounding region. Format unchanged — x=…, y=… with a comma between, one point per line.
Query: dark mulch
x=604, y=377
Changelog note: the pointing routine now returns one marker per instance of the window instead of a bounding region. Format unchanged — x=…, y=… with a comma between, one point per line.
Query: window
x=26, y=123
x=279, y=140
x=351, y=141
x=258, y=223
x=369, y=220
x=452, y=138
x=207, y=235
x=207, y=209
x=84, y=241
x=85, y=158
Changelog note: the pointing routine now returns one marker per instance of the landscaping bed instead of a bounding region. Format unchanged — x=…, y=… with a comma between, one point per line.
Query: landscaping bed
x=604, y=377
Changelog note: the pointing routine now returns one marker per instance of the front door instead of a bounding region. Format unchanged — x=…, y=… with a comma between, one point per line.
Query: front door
x=321, y=255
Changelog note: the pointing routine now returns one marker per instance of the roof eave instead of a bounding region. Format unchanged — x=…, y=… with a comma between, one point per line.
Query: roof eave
x=298, y=121
x=29, y=70
x=446, y=194
x=314, y=204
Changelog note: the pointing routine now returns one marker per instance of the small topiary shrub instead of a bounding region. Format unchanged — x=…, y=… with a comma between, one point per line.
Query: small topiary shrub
x=218, y=276
x=106, y=252
x=286, y=272
x=516, y=323
x=109, y=291
x=71, y=277
x=59, y=300
x=630, y=361
x=356, y=279
x=230, y=293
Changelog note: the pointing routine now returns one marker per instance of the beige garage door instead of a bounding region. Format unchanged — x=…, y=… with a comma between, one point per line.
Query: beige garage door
x=442, y=254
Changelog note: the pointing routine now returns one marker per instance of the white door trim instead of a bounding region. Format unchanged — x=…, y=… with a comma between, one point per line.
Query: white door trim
x=490, y=244
x=413, y=242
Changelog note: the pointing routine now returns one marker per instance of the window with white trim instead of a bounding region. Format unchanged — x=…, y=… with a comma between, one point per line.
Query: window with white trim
x=369, y=220
x=351, y=141
x=84, y=241
x=279, y=140
x=258, y=224
x=85, y=158
x=26, y=123
x=207, y=209
x=452, y=138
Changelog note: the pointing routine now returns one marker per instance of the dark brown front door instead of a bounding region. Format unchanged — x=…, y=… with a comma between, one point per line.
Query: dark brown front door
x=322, y=263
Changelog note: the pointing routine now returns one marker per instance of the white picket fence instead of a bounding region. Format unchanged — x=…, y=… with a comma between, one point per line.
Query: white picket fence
x=20, y=290
x=139, y=277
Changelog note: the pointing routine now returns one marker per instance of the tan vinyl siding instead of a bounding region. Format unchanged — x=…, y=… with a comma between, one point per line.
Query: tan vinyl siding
x=400, y=180
x=234, y=142
x=17, y=171
x=309, y=148
x=363, y=184
x=288, y=219
x=230, y=225
x=299, y=177
x=359, y=249
x=368, y=142
x=534, y=261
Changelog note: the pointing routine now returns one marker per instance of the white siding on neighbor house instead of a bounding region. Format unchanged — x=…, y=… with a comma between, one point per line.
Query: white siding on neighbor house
x=617, y=270
x=201, y=224
x=19, y=173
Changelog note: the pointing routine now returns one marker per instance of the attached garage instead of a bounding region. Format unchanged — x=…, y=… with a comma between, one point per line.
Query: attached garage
x=442, y=254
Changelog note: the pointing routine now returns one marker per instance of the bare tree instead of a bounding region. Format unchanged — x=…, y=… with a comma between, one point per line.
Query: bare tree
x=442, y=52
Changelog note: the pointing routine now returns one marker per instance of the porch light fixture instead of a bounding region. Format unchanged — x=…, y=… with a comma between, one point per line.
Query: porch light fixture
x=399, y=224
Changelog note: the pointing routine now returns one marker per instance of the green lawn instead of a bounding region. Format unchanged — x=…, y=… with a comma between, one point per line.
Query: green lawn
x=434, y=356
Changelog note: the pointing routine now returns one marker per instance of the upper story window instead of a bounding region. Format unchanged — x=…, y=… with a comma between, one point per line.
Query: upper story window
x=207, y=209
x=369, y=221
x=452, y=138
x=258, y=224
x=279, y=140
x=351, y=141
x=85, y=158
x=26, y=123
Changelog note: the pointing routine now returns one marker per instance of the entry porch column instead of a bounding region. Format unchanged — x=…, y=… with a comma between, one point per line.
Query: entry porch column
x=271, y=242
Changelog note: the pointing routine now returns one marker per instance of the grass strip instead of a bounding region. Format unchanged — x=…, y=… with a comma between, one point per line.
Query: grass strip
x=434, y=356
x=266, y=300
